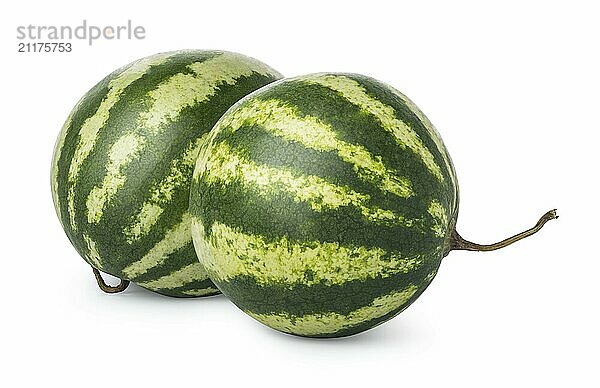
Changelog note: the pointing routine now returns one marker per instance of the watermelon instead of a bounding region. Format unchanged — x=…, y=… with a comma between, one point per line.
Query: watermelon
x=323, y=205
x=124, y=160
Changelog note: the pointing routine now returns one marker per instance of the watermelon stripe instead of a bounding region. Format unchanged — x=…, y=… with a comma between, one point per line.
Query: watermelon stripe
x=276, y=219
x=88, y=133
x=412, y=117
x=124, y=120
x=438, y=212
x=318, y=298
x=224, y=166
x=184, y=90
x=120, y=125
x=201, y=291
x=174, y=239
x=327, y=165
x=58, y=148
x=326, y=225
x=63, y=155
x=166, y=103
x=434, y=136
x=330, y=323
x=192, y=288
x=128, y=147
x=92, y=255
x=162, y=193
x=321, y=206
x=122, y=167
x=284, y=262
x=355, y=93
x=179, y=278
x=351, y=126
x=202, y=286
x=285, y=121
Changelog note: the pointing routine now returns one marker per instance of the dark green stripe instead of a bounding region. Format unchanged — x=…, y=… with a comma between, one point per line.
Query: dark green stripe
x=122, y=116
x=87, y=107
x=264, y=148
x=404, y=113
x=243, y=207
x=179, y=291
x=356, y=127
x=174, y=262
x=148, y=170
x=153, y=166
x=319, y=298
x=377, y=321
x=281, y=216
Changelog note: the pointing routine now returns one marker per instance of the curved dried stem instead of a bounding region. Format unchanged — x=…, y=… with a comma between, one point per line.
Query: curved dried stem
x=459, y=243
x=109, y=289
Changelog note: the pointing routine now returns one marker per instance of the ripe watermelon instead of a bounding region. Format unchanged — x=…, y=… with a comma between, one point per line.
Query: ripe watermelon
x=323, y=205
x=124, y=159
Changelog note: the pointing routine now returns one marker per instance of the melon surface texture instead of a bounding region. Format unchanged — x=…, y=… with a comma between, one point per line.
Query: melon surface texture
x=322, y=205
x=124, y=159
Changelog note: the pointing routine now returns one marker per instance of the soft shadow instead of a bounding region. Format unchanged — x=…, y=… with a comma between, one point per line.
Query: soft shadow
x=136, y=292
x=399, y=331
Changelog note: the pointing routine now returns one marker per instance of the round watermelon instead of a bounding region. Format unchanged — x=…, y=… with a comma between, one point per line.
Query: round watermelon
x=323, y=205
x=124, y=159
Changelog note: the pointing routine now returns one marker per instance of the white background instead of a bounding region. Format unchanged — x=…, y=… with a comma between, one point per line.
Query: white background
x=514, y=90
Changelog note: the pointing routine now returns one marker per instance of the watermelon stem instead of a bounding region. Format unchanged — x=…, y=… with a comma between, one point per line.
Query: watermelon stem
x=459, y=243
x=109, y=289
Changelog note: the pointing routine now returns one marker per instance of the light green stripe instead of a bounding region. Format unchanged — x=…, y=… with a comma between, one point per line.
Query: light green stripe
x=123, y=151
x=167, y=101
x=58, y=148
x=184, y=90
x=143, y=221
x=161, y=193
x=431, y=275
x=226, y=167
x=230, y=253
x=331, y=322
x=93, y=256
x=71, y=207
x=286, y=121
x=201, y=291
x=88, y=133
x=175, y=239
x=385, y=114
x=433, y=134
x=181, y=277
x=438, y=213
